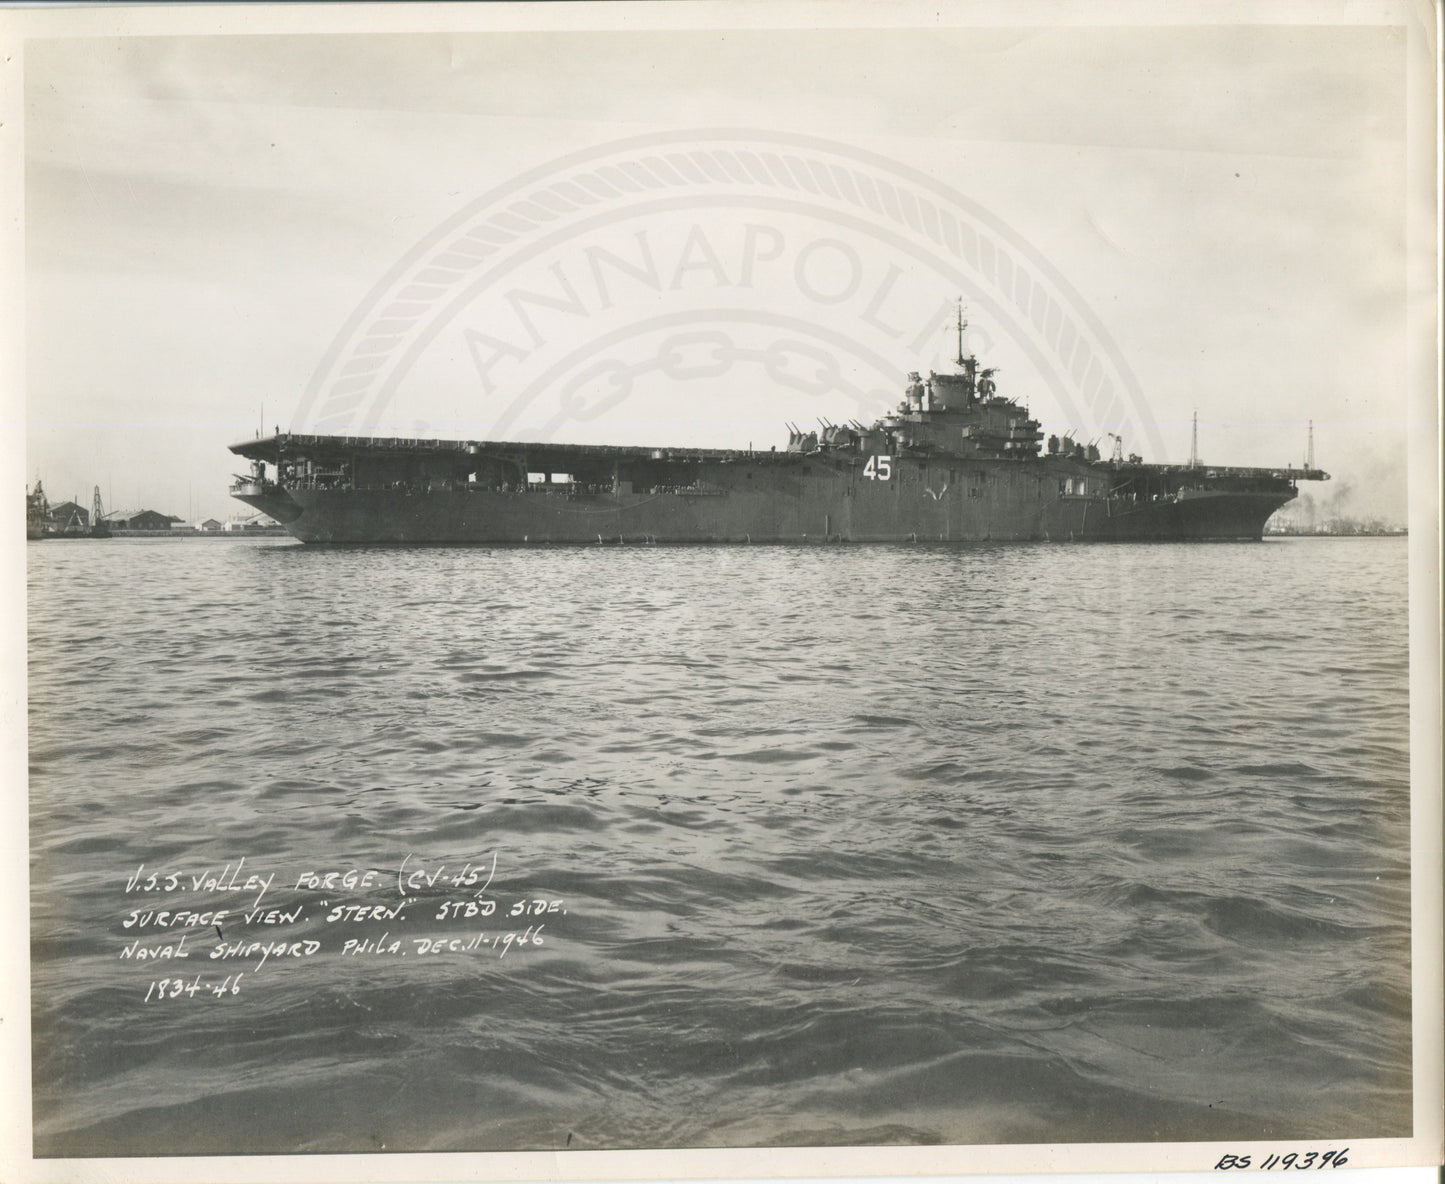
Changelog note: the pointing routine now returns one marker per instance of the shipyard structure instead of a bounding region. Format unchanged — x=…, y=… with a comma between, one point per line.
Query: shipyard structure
x=955, y=461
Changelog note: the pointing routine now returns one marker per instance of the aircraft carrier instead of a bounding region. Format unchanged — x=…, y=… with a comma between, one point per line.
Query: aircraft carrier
x=955, y=461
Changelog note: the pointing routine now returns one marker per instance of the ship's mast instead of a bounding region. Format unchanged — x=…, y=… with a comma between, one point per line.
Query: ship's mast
x=1194, y=444
x=969, y=365
x=1310, y=453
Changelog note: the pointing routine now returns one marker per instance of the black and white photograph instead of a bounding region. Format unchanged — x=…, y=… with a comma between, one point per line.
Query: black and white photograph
x=700, y=590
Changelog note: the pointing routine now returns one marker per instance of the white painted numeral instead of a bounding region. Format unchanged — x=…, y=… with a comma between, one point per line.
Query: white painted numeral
x=878, y=468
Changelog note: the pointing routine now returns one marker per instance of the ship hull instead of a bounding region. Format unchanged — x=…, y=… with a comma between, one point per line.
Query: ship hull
x=816, y=499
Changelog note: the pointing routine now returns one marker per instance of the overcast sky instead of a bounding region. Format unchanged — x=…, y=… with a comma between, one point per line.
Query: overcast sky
x=203, y=214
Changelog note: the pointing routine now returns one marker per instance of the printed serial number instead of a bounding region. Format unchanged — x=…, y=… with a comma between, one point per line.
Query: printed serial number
x=174, y=988
x=1301, y=1160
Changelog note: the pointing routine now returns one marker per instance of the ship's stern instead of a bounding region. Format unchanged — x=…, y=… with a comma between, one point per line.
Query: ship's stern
x=268, y=497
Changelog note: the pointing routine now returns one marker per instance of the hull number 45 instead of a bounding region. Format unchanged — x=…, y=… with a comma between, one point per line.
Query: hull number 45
x=878, y=468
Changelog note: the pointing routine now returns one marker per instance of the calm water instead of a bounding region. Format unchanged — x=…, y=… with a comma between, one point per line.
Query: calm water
x=838, y=845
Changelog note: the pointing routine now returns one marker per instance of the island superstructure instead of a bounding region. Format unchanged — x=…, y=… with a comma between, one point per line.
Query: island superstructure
x=955, y=461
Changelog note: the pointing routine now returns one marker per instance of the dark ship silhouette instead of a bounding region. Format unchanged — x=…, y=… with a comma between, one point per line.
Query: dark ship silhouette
x=67, y=521
x=956, y=461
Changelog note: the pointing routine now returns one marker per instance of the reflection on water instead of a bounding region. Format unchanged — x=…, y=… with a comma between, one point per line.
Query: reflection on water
x=853, y=845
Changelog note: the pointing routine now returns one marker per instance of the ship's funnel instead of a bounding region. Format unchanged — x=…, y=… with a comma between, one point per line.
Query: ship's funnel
x=952, y=392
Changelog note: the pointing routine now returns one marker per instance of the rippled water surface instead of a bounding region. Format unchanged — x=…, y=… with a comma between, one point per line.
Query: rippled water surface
x=852, y=845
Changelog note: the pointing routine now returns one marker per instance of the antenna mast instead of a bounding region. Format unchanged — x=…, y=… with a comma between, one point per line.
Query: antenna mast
x=1194, y=444
x=962, y=324
x=1310, y=454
